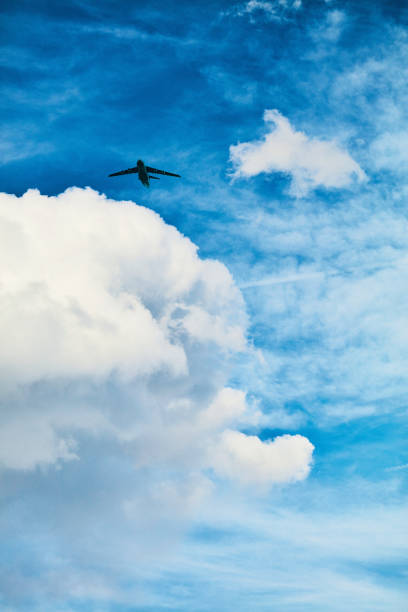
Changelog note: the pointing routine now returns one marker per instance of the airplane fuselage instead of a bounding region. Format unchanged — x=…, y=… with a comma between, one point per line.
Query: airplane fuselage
x=142, y=172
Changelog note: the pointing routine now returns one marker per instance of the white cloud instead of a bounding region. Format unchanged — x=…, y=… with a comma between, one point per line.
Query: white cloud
x=90, y=286
x=390, y=151
x=93, y=289
x=397, y=468
x=227, y=408
x=310, y=162
x=32, y=441
x=98, y=294
x=116, y=422
x=251, y=461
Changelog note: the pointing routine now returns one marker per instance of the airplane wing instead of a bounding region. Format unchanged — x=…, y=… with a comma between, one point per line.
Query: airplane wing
x=161, y=172
x=134, y=170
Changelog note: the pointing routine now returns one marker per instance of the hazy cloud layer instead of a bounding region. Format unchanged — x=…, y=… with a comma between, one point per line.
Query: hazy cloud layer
x=337, y=319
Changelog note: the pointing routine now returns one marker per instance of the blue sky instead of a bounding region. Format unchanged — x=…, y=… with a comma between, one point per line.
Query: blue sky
x=221, y=428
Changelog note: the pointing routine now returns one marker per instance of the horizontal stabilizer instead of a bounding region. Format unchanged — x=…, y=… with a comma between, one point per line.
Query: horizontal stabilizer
x=155, y=177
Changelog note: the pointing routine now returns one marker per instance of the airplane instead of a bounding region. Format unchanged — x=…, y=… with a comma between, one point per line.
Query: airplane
x=143, y=172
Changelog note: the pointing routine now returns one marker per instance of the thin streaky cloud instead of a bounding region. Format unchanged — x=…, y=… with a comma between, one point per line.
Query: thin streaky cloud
x=397, y=468
x=282, y=280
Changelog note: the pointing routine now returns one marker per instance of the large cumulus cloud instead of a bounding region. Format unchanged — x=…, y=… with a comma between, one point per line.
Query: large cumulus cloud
x=116, y=417
x=90, y=286
x=112, y=326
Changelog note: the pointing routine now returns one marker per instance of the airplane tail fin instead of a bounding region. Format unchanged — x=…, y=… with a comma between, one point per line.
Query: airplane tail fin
x=154, y=177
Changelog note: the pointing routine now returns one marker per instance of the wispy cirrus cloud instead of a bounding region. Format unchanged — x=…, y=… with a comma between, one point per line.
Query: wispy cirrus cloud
x=333, y=294
x=269, y=10
x=21, y=142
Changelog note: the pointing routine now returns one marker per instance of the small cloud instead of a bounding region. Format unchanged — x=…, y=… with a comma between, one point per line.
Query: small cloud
x=329, y=29
x=249, y=460
x=311, y=162
x=274, y=10
x=397, y=468
x=333, y=28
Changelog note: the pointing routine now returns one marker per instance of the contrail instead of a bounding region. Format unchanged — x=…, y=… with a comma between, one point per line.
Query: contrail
x=281, y=280
x=299, y=278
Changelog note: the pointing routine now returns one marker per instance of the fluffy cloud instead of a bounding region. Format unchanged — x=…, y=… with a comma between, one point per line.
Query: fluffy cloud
x=116, y=412
x=90, y=286
x=30, y=440
x=114, y=328
x=251, y=461
x=93, y=289
x=310, y=162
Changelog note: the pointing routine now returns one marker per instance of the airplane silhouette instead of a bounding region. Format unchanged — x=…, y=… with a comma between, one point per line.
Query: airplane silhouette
x=143, y=172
